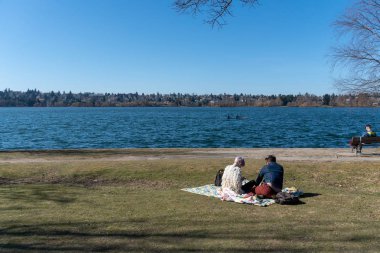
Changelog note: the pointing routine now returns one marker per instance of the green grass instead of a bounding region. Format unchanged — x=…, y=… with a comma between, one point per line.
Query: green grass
x=137, y=206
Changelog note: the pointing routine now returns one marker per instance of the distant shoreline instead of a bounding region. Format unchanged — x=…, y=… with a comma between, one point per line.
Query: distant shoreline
x=36, y=98
x=168, y=106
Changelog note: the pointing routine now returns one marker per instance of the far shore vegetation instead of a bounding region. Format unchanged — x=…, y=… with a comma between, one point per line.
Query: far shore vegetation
x=36, y=98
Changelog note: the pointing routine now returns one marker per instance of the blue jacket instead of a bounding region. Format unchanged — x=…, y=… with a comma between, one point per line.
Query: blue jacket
x=271, y=173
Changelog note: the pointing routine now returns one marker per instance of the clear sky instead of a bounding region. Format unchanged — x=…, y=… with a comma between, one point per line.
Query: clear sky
x=145, y=46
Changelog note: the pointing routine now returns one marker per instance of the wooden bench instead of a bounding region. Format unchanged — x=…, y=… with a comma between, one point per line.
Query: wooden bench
x=358, y=142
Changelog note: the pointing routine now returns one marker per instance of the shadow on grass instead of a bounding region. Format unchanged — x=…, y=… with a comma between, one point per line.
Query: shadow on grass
x=309, y=195
x=92, y=237
x=33, y=193
x=129, y=248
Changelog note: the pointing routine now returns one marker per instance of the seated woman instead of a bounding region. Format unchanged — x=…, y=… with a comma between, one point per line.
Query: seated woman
x=232, y=178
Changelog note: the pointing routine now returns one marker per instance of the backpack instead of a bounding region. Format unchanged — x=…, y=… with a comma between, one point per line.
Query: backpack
x=218, y=178
x=285, y=198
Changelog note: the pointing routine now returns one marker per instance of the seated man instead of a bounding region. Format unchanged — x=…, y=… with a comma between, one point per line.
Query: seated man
x=368, y=131
x=270, y=179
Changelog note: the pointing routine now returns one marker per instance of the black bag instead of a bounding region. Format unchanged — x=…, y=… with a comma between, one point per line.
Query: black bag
x=218, y=178
x=248, y=187
x=284, y=198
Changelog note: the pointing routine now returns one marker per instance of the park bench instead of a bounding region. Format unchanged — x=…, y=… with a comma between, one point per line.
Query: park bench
x=358, y=142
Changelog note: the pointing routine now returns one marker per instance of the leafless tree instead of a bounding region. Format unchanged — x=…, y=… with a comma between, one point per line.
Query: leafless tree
x=216, y=9
x=359, y=28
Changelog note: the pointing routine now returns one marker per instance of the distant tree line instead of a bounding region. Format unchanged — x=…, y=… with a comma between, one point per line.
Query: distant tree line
x=35, y=98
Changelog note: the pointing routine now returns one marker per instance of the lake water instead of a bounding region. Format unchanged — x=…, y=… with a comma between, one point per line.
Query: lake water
x=142, y=127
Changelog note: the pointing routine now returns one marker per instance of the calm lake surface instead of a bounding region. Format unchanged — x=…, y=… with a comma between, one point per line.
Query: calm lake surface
x=141, y=127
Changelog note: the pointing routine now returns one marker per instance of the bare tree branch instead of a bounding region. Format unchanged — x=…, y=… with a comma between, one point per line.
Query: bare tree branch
x=216, y=9
x=361, y=53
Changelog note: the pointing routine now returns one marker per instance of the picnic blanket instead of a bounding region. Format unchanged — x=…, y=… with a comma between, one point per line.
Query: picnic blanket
x=228, y=195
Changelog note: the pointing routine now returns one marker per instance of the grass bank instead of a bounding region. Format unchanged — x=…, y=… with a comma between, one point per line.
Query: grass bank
x=136, y=205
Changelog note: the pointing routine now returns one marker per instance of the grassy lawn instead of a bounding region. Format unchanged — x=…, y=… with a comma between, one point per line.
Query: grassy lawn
x=137, y=206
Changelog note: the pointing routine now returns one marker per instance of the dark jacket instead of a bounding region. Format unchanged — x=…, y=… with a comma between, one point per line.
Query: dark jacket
x=369, y=134
x=271, y=173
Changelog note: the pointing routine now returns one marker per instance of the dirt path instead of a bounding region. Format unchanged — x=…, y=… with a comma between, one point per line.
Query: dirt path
x=285, y=154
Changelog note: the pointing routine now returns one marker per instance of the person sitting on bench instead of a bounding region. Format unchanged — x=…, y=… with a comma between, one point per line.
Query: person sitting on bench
x=368, y=131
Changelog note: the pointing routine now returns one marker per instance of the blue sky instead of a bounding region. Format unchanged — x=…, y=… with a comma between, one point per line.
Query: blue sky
x=145, y=46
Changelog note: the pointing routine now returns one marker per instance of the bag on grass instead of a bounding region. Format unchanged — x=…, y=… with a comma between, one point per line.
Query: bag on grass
x=218, y=178
x=285, y=198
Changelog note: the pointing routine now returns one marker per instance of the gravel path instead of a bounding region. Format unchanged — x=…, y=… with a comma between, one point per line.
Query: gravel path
x=284, y=154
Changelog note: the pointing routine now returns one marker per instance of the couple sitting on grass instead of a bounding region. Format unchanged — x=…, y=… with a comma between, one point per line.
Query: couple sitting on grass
x=267, y=185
